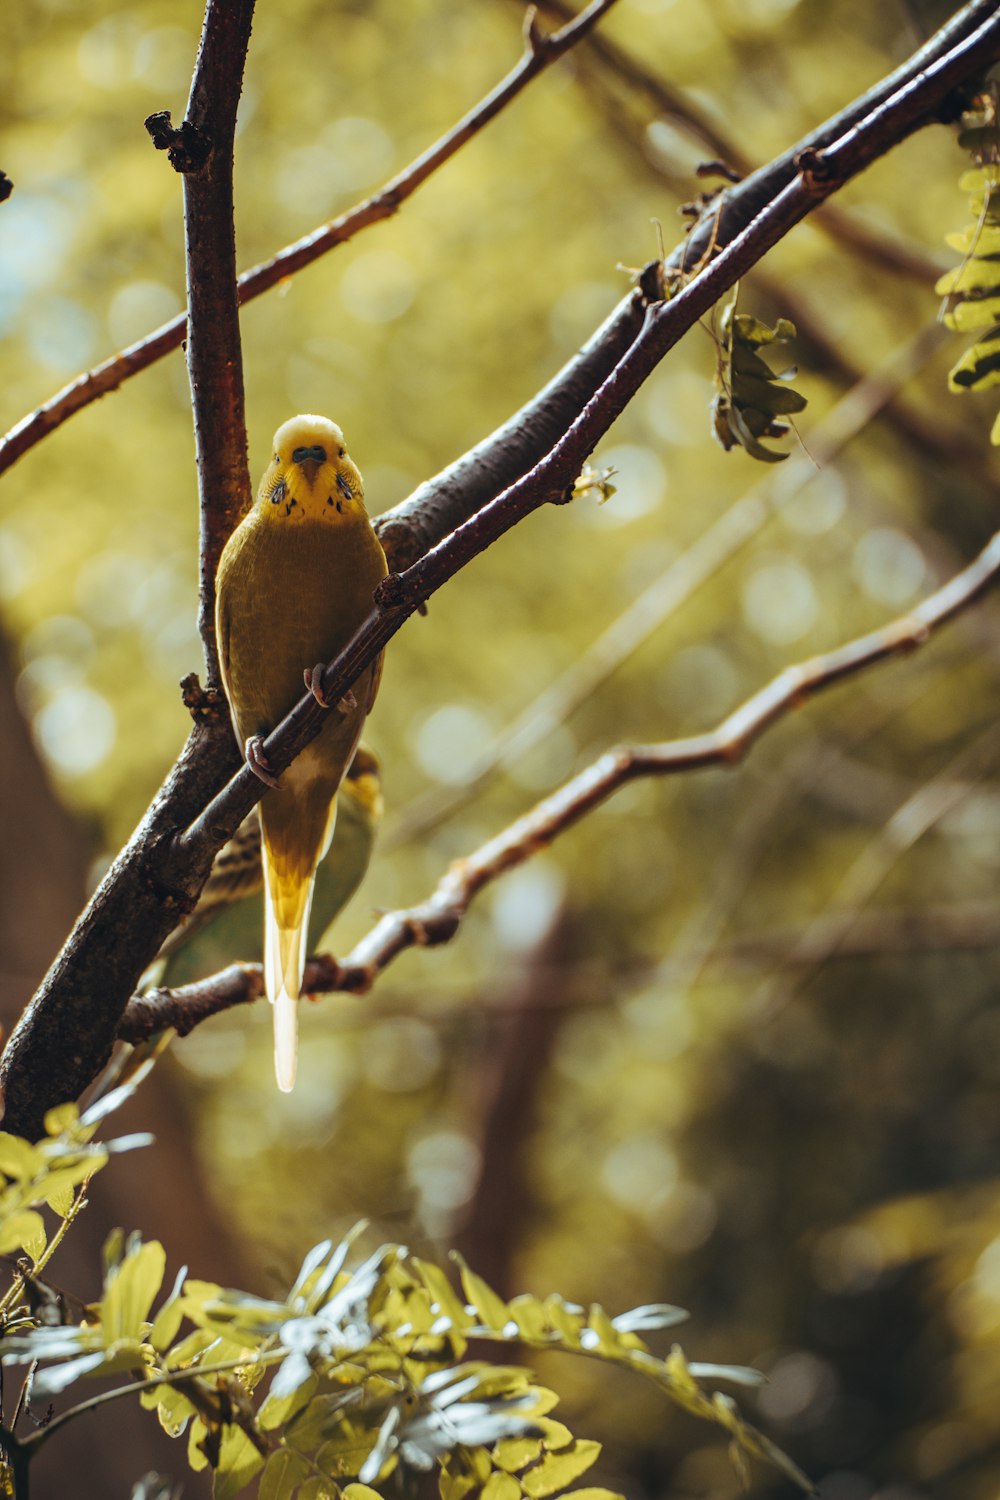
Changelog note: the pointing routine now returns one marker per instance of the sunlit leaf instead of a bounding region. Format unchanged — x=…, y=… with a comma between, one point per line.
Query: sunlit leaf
x=491, y=1308
x=25, y=1230
x=283, y=1473
x=239, y=1461
x=556, y=1471
x=130, y=1291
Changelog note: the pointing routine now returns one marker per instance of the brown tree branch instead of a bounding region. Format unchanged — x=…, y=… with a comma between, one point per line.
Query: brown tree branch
x=953, y=927
x=439, y=918
x=66, y=1034
x=214, y=355
x=540, y=51
x=68, y=1030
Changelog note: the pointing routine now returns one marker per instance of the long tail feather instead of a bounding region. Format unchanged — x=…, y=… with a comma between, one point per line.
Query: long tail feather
x=286, y=926
x=286, y=1036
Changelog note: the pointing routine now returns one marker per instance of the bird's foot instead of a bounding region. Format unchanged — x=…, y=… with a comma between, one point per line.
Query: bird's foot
x=258, y=762
x=312, y=677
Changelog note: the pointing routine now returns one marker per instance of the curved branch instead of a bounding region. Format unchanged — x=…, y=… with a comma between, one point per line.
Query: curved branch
x=540, y=51
x=438, y=919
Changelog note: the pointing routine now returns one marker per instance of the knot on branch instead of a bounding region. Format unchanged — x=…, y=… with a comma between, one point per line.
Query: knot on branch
x=188, y=148
x=394, y=590
x=202, y=703
x=817, y=171
x=6, y=187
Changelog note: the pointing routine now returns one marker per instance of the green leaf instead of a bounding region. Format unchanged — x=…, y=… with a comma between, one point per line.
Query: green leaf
x=595, y=1493
x=278, y=1411
x=529, y=1315
x=979, y=367
x=973, y=275
x=239, y=1461
x=515, y=1454
x=24, y=1230
x=565, y=1321
x=283, y=1473
x=130, y=1290
x=173, y=1409
x=975, y=239
x=454, y=1481
x=360, y=1492
x=18, y=1159
x=319, y=1488
x=556, y=1471
x=555, y=1435
x=166, y=1324
x=501, y=1486
x=442, y=1292
x=973, y=313
x=491, y=1308
x=62, y=1120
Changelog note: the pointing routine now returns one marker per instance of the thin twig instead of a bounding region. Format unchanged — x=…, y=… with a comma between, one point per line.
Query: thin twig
x=540, y=52
x=438, y=919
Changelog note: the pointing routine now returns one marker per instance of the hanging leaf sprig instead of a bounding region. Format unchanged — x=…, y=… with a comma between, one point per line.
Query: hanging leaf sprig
x=973, y=288
x=751, y=399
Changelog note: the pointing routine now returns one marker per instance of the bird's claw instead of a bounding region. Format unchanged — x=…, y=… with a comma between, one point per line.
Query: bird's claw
x=312, y=677
x=258, y=762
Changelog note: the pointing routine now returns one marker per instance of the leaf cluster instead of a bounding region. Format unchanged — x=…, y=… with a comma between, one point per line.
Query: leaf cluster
x=973, y=287
x=752, y=400
x=356, y=1375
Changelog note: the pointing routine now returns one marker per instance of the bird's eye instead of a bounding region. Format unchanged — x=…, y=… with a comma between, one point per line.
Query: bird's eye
x=341, y=451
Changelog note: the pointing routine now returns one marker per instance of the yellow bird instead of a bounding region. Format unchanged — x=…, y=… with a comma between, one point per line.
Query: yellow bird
x=295, y=581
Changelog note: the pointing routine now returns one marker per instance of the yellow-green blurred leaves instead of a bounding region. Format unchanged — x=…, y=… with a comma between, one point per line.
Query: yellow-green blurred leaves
x=972, y=289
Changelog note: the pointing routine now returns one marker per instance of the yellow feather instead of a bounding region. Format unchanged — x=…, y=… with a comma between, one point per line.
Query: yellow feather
x=295, y=580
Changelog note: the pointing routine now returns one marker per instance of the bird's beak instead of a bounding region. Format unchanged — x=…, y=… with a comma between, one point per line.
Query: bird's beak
x=310, y=460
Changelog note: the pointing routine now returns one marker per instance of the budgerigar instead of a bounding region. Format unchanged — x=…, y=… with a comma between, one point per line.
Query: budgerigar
x=295, y=581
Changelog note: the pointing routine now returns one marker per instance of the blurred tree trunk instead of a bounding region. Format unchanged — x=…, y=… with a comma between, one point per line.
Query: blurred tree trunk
x=158, y=1190
x=500, y=1209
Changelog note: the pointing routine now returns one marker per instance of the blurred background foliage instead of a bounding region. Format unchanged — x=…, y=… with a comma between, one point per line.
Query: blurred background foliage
x=658, y=1061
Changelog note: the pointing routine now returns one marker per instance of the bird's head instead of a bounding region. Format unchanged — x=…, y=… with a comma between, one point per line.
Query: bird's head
x=310, y=470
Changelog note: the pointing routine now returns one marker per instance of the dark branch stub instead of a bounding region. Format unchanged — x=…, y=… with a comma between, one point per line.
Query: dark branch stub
x=6, y=187
x=188, y=148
